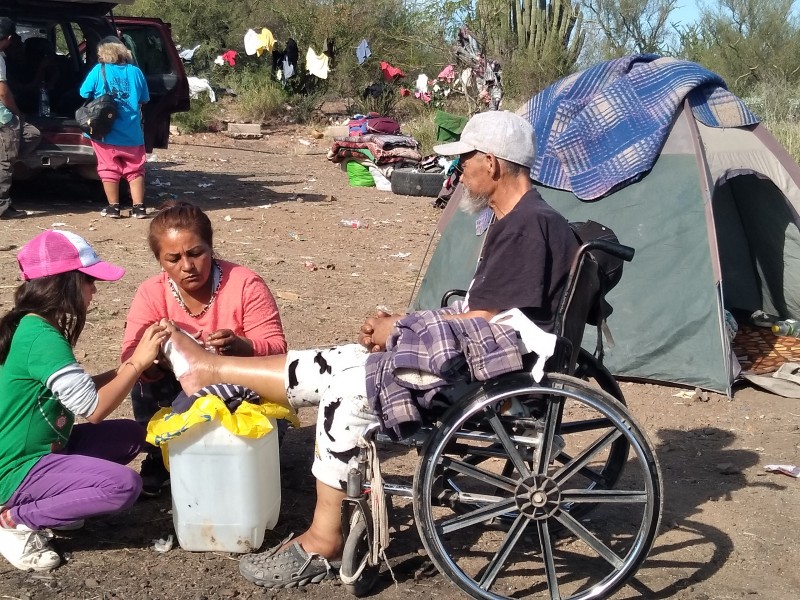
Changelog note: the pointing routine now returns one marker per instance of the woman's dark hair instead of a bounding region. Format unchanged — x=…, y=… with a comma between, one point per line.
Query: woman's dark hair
x=57, y=298
x=176, y=214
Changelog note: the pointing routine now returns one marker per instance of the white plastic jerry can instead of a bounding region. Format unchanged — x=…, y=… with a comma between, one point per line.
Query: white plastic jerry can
x=226, y=489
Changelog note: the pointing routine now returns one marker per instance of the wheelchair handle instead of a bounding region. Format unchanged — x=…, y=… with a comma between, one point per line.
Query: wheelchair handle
x=619, y=250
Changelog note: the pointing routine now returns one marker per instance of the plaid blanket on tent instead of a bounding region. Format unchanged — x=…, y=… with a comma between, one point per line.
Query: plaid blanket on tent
x=605, y=126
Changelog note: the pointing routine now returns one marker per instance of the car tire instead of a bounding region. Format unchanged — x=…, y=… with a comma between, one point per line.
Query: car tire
x=409, y=183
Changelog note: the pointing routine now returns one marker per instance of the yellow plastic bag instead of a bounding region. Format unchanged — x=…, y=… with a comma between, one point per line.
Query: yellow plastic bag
x=250, y=420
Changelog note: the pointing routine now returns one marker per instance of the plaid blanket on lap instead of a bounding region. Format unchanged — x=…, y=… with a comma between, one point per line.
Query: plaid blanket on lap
x=605, y=126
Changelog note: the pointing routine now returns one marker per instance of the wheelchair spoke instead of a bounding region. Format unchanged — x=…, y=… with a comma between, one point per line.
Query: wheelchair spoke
x=587, y=472
x=605, y=496
x=459, y=466
x=500, y=557
x=543, y=457
x=508, y=444
x=580, y=461
x=548, y=558
x=589, y=538
x=479, y=515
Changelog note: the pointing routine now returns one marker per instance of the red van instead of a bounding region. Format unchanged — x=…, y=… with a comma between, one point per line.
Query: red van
x=72, y=29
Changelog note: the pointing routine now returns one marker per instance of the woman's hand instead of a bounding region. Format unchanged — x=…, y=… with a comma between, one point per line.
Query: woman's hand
x=376, y=329
x=149, y=347
x=225, y=342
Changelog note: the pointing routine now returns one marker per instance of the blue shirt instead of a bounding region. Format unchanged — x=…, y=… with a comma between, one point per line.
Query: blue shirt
x=129, y=85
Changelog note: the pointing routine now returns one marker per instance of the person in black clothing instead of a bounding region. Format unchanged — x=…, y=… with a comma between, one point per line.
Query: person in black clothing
x=16, y=136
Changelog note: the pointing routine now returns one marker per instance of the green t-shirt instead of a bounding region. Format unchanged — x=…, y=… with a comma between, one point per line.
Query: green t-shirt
x=33, y=422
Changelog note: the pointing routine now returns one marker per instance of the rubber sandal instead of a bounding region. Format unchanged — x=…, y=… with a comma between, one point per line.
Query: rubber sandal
x=291, y=567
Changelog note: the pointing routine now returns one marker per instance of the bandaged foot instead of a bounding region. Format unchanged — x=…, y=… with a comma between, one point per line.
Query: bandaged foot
x=190, y=362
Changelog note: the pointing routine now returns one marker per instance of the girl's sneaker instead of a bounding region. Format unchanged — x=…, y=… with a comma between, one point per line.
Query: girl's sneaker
x=111, y=211
x=27, y=549
x=139, y=211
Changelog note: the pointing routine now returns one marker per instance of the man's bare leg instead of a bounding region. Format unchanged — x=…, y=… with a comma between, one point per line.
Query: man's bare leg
x=262, y=374
x=324, y=536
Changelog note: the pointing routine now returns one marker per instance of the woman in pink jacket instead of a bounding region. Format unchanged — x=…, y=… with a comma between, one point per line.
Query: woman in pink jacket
x=226, y=306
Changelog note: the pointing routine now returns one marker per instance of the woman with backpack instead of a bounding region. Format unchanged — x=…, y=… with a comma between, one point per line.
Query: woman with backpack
x=120, y=152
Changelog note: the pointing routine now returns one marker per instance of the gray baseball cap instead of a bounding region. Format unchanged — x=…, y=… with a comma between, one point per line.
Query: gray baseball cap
x=498, y=132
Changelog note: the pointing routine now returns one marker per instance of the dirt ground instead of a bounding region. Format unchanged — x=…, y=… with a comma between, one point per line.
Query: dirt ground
x=729, y=528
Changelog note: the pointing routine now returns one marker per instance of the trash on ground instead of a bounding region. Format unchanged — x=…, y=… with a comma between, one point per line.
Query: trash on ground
x=790, y=470
x=164, y=545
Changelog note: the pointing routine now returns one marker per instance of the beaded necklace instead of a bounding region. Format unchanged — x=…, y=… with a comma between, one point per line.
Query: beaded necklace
x=216, y=273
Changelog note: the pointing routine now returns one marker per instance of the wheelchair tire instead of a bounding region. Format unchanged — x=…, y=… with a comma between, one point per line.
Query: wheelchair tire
x=355, y=557
x=407, y=182
x=537, y=493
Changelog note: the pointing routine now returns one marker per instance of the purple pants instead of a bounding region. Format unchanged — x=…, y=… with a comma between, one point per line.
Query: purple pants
x=86, y=479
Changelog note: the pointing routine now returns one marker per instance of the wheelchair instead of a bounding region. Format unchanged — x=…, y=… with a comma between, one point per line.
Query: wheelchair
x=523, y=489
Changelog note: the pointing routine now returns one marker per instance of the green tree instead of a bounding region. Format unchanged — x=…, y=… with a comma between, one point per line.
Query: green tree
x=748, y=42
x=631, y=26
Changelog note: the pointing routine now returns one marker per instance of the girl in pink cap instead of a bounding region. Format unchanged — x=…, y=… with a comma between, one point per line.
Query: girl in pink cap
x=53, y=474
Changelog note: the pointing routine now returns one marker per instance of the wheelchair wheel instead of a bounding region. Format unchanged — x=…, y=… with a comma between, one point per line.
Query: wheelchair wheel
x=357, y=574
x=457, y=501
x=602, y=475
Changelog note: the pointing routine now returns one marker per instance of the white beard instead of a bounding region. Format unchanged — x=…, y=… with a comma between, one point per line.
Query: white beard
x=472, y=204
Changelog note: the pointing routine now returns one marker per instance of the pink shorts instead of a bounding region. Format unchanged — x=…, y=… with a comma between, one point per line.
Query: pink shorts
x=116, y=162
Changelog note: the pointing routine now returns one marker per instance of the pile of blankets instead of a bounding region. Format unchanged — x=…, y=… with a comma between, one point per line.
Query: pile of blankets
x=380, y=153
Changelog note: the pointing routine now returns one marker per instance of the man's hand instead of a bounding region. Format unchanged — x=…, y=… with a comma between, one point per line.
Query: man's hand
x=376, y=329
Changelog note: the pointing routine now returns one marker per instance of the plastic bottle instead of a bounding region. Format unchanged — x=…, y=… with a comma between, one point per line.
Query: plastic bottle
x=787, y=328
x=44, y=102
x=354, y=223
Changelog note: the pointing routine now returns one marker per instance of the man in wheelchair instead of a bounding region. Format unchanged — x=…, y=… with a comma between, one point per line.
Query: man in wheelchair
x=525, y=264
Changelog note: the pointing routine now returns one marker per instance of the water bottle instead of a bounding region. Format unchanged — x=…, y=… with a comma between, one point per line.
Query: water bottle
x=787, y=328
x=44, y=102
x=354, y=223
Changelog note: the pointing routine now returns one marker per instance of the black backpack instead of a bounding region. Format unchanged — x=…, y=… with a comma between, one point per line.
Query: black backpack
x=97, y=116
x=610, y=266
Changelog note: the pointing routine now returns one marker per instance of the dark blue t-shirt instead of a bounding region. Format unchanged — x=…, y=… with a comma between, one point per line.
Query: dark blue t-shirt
x=525, y=262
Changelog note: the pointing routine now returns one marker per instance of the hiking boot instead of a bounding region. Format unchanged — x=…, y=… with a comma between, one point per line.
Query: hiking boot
x=28, y=549
x=154, y=475
x=111, y=211
x=13, y=213
x=139, y=211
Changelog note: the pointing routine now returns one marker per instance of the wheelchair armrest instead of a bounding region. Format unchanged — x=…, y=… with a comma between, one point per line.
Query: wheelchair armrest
x=449, y=294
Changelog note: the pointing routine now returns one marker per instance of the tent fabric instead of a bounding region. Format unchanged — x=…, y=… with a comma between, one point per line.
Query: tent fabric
x=606, y=125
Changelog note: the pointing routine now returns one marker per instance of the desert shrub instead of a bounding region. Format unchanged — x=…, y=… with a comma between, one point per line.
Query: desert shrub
x=203, y=115
x=259, y=97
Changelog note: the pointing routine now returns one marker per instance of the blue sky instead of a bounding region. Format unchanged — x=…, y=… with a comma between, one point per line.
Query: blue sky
x=687, y=12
